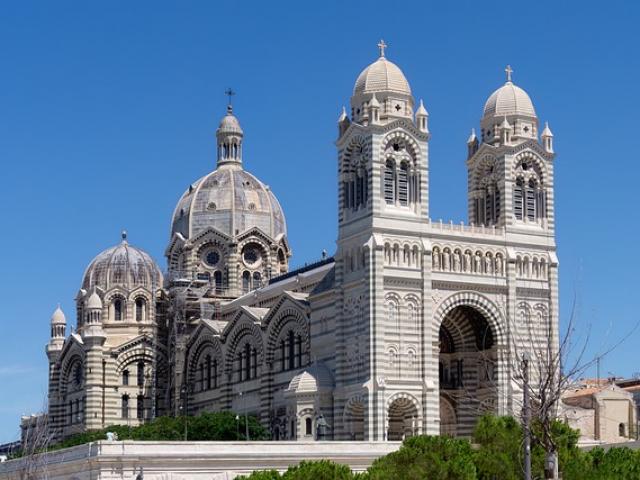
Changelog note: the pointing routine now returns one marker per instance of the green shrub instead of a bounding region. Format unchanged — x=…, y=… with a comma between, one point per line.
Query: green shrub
x=426, y=457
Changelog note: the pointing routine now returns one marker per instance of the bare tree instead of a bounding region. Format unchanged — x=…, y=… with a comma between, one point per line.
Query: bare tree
x=36, y=438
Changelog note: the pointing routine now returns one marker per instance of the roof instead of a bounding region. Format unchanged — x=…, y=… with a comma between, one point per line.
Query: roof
x=509, y=99
x=232, y=201
x=314, y=378
x=381, y=76
x=122, y=265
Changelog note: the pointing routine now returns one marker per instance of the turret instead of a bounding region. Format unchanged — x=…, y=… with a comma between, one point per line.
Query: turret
x=343, y=122
x=472, y=143
x=421, y=118
x=374, y=109
x=547, y=138
x=93, y=317
x=58, y=330
x=229, y=138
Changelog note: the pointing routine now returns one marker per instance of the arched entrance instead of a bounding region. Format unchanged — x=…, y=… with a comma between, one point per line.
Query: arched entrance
x=467, y=369
x=354, y=420
x=402, y=420
x=448, y=421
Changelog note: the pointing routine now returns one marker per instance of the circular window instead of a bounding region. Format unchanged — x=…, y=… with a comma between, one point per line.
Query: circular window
x=211, y=258
x=251, y=256
x=525, y=166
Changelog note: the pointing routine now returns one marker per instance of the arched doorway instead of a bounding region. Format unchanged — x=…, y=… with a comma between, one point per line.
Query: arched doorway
x=467, y=370
x=402, y=420
x=354, y=420
x=448, y=421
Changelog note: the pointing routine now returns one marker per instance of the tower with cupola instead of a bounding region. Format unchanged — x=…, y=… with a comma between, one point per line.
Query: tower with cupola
x=383, y=195
x=510, y=167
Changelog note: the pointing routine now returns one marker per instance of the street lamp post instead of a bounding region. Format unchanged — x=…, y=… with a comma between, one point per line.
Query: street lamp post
x=246, y=417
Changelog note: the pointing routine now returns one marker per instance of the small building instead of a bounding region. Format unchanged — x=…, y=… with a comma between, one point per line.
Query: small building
x=601, y=410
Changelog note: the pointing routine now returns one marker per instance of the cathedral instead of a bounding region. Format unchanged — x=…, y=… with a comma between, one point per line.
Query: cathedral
x=411, y=327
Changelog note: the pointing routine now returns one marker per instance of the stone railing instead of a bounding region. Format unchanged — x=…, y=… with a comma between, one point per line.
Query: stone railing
x=461, y=227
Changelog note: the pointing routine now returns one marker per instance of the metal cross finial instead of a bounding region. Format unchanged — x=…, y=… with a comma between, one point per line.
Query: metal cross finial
x=382, y=46
x=229, y=93
x=509, y=71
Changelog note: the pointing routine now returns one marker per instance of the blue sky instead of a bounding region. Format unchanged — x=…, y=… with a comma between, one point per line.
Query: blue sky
x=108, y=111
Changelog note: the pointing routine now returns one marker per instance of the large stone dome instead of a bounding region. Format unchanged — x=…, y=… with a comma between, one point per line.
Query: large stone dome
x=232, y=201
x=122, y=265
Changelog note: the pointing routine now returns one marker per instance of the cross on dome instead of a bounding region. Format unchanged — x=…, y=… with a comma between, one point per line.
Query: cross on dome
x=229, y=93
x=382, y=46
x=508, y=71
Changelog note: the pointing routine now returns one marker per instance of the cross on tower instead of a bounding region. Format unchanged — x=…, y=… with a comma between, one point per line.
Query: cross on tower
x=229, y=93
x=509, y=71
x=382, y=46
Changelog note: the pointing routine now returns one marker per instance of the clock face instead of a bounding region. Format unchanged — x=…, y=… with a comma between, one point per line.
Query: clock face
x=212, y=258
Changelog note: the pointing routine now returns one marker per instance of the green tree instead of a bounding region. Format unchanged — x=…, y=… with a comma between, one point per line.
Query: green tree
x=426, y=457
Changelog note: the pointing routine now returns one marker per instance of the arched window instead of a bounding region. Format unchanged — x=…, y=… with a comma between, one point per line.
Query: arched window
x=141, y=374
x=531, y=200
x=291, y=350
x=125, y=377
x=140, y=407
x=403, y=183
x=246, y=282
x=118, y=309
x=209, y=372
x=518, y=192
x=215, y=373
x=217, y=278
x=622, y=431
x=140, y=308
x=308, y=426
x=125, y=406
x=389, y=182
x=257, y=280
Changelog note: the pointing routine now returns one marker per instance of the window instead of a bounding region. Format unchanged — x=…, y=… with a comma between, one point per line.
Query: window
x=308, y=427
x=140, y=407
x=389, y=181
x=117, y=309
x=140, y=304
x=217, y=278
x=517, y=198
x=403, y=187
x=125, y=377
x=125, y=406
x=209, y=366
x=622, y=431
x=141, y=374
x=531, y=201
x=246, y=282
x=257, y=280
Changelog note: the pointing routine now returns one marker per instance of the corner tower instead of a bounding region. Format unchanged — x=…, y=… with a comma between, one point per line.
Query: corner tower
x=510, y=170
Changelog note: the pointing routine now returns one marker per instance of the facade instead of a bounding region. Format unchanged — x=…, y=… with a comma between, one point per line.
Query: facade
x=602, y=411
x=412, y=326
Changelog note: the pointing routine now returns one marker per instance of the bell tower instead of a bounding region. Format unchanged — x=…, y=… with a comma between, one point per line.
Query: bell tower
x=510, y=170
x=383, y=180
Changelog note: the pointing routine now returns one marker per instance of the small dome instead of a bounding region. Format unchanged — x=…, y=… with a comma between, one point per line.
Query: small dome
x=313, y=379
x=229, y=124
x=94, y=302
x=382, y=76
x=58, y=317
x=230, y=200
x=123, y=265
x=509, y=99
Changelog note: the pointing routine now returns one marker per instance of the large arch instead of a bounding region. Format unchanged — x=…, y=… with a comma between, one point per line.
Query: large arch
x=469, y=347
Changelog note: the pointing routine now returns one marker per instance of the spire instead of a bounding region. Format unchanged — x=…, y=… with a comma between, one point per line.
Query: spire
x=421, y=118
x=382, y=46
x=547, y=138
x=472, y=138
x=343, y=115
